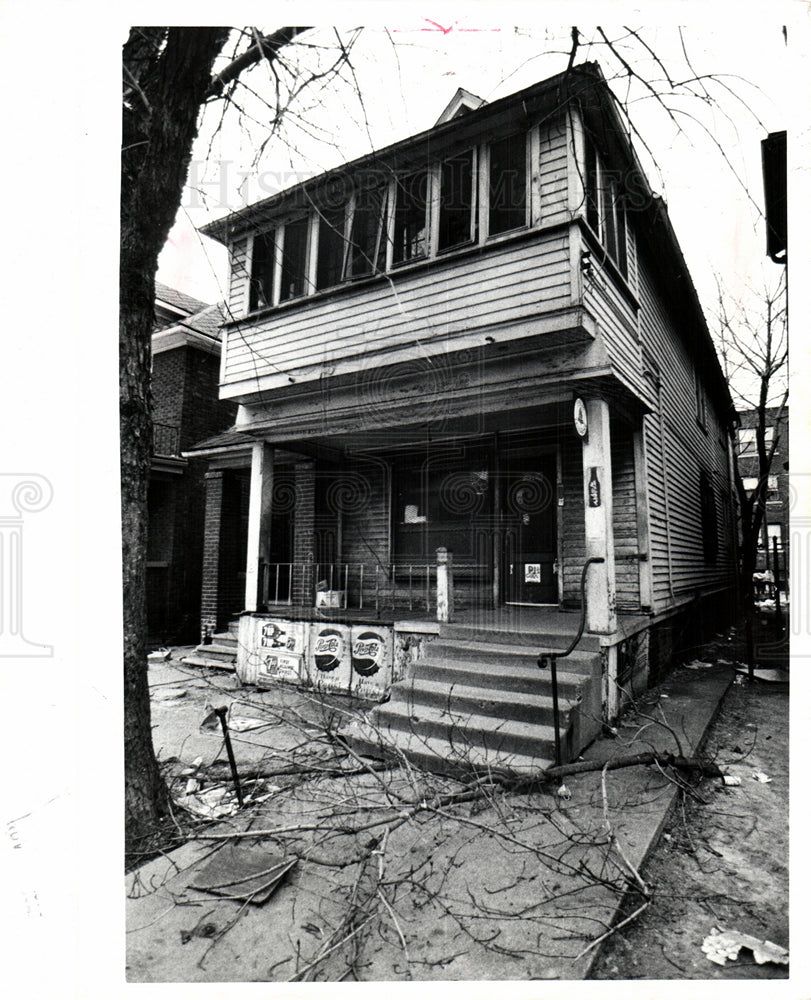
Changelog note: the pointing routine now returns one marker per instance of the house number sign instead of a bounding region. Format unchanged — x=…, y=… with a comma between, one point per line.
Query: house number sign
x=581, y=420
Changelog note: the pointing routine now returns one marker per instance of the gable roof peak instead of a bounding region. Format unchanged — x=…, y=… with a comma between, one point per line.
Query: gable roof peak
x=460, y=104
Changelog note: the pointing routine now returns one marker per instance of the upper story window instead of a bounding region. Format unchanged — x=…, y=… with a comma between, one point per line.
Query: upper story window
x=294, y=259
x=367, y=244
x=331, y=246
x=457, y=215
x=507, y=176
x=605, y=208
x=410, y=217
x=385, y=224
x=262, y=265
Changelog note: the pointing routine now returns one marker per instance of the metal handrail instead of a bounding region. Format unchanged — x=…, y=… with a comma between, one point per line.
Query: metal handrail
x=550, y=658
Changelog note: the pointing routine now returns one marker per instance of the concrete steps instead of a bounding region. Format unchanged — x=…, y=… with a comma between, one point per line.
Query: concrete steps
x=220, y=653
x=477, y=701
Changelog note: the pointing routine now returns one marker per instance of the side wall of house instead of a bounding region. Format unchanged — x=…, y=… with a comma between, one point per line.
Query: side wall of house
x=678, y=449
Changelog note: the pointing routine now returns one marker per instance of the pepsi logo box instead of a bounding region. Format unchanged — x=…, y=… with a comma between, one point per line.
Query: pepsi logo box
x=371, y=659
x=328, y=665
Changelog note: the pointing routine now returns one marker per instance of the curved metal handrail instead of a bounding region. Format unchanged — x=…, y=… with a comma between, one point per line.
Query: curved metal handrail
x=550, y=657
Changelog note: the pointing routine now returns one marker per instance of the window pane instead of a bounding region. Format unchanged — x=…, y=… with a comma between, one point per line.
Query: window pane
x=592, y=193
x=456, y=201
x=262, y=271
x=294, y=259
x=366, y=253
x=331, y=246
x=410, y=229
x=508, y=184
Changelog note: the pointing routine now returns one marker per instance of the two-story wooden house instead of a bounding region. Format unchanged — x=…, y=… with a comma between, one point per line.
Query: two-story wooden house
x=466, y=365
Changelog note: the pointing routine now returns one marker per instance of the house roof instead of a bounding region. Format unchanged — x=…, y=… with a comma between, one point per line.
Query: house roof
x=178, y=300
x=460, y=104
x=201, y=330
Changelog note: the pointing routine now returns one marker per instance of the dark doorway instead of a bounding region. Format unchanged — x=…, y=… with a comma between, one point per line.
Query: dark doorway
x=529, y=507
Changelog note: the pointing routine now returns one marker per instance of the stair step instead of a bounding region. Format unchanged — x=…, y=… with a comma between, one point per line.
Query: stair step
x=197, y=660
x=517, y=679
x=225, y=639
x=467, y=730
x=217, y=649
x=441, y=756
x=542, y=639
x=490, y=652
x=466, y=700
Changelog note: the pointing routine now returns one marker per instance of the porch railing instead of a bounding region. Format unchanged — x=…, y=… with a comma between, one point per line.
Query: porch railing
x=349, y=586
x=550, y=658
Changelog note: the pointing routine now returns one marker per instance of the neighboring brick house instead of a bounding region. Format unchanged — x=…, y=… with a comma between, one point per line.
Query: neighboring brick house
x=185, y=408
x=776, y=521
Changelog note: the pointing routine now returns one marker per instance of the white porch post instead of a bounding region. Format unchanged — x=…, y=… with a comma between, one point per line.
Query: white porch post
x=259, y=510
x=601, y=593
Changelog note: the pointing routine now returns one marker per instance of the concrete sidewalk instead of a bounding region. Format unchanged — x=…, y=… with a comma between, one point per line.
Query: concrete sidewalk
x=270, y=942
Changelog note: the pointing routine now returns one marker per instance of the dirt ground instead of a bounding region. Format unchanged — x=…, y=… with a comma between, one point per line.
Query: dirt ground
x=402, y=875
x=723, y=860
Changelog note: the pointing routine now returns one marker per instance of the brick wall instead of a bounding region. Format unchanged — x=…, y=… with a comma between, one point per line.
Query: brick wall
x=184, y=395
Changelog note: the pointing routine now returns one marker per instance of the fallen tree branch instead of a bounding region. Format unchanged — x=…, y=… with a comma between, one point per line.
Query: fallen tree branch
x=704, y=767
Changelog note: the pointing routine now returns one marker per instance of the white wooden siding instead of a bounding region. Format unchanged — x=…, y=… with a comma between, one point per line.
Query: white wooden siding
x=512, y=282
x=677, y=449
x=240, y=266
x=554, y=171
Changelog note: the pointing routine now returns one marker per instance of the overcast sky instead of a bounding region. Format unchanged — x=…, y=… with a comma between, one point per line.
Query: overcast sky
x=407, y=72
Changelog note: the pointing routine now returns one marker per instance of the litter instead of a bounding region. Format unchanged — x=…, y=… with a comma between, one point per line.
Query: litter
x=563, y=792
x=246, y=873
x=731, y=779
x=213, y=803
x=699, y=664
x=722, y=945
x=160, y=655
x=760, y=776
x=241, y=724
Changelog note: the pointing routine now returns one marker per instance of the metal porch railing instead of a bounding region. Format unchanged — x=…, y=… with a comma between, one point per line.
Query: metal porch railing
x=550, y=658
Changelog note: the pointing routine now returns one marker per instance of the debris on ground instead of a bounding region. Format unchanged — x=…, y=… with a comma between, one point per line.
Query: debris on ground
x=160, y=655
x=249, y=874
x=169, y=694
x=732, y=779
x=722, y=945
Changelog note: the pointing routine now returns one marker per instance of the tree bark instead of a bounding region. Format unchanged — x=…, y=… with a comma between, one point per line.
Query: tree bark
x=167, y=76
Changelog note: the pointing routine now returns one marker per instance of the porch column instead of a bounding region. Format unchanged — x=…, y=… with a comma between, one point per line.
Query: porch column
x=304, y=534
x=260, y=505
x=210, y=596
x=601, y=599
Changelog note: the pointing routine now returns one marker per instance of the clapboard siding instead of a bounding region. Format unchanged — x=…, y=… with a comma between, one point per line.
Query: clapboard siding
x=626, y=542
x=617, y=317
x=573, y=538
x=510, y=283
x=677, y=450
x=238, y=289
x=554, y=175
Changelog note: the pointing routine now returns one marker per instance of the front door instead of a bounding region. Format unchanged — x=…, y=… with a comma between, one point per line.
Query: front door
x=529, y=508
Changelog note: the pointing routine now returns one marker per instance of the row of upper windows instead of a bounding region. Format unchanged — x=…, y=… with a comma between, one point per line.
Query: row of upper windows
x=385, y=224
x=388, y=222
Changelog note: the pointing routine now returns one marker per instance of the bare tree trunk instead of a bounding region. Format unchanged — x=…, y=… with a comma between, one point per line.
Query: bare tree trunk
x=167, y=75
